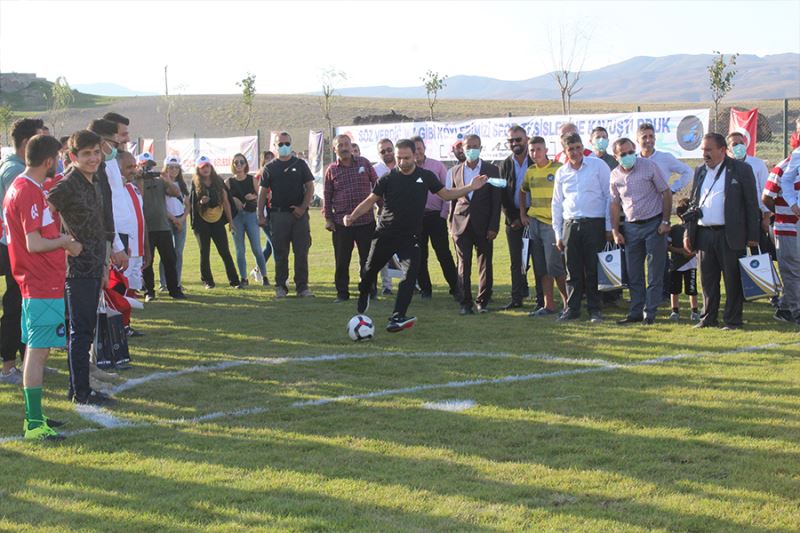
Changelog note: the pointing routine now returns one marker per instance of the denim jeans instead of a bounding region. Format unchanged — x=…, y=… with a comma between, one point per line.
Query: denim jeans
x=179, y=240
x=246, y=223
x=643, y=243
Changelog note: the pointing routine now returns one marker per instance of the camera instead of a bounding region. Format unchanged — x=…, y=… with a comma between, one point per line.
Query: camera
x=149, y=174
x=693, y=214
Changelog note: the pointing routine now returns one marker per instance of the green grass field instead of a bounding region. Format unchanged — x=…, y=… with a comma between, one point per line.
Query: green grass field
x=596, y=434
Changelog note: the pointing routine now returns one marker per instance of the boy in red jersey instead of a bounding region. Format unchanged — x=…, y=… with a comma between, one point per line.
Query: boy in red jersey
x=36, y=249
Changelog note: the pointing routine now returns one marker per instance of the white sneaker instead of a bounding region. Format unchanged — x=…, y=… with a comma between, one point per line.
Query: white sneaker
x=12, y=377
x=674, y=316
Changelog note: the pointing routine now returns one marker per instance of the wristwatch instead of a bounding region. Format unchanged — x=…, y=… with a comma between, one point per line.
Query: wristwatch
x=665, y=222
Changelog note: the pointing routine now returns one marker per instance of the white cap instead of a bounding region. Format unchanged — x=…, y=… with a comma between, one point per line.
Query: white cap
x=172, y=160
x=202, y=160
x=144, y=158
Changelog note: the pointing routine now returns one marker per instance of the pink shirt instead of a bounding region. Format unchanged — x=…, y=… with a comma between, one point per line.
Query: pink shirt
x=435, y=203
x=639, y=189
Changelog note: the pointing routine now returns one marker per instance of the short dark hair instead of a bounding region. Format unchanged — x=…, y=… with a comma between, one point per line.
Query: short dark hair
x=645, y=126
x=683, y=206
x=571, y=138
x=83, y=139
x=537, y=140
x=25, y=128
x=597, y=130
x=518, y=128
x=418, y=139
x=718, y=139
x=64, y=140
x=472, y=136
x=40, y=148
x=735, y=134
x=385, y=140
x=619, y=142
x=103, y=127
x=117, y=118
x=406, y=143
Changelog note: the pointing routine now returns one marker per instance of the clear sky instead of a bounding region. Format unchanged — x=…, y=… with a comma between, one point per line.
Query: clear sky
x=209, y=45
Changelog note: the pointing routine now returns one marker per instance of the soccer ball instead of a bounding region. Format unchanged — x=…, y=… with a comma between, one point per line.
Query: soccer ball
x=360, y=328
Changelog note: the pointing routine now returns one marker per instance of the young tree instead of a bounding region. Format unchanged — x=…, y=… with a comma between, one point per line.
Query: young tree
x=330, y=79
x=6, y=119
x=248, y=85
x=568, y=58
x=720, y=78
x=61, y=97
x=433, y=83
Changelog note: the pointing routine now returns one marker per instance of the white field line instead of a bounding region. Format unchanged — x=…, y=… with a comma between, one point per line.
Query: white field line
x=419, y=388
x=156, y=376
x=451, y=406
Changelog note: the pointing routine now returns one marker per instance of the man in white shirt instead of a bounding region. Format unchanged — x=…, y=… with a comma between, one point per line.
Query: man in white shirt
x=737, y=149
x=582, y=224
x=383, y=167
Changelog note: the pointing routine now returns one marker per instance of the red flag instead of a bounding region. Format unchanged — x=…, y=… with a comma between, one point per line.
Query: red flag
x=745, y=122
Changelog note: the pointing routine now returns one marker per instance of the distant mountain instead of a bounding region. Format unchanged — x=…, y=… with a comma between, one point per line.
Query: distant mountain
x=110, y=89
x=674, y=78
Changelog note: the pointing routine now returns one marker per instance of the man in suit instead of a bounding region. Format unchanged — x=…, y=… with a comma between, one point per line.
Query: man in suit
x=474, y=222
x=724, y=190
x=513, y=171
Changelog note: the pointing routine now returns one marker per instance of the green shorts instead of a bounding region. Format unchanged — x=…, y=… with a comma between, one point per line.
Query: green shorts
x=43, y=324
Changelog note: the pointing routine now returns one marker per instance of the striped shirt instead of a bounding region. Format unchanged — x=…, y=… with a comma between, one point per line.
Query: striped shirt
x=345, y=187
x=639, y=189
x=539, y=186
x=785, y=219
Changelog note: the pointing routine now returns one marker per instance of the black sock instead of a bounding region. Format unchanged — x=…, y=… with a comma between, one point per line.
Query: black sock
x=694, y=309
x=675, y=310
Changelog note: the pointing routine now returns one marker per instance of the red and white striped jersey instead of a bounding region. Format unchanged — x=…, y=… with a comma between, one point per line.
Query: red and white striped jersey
x=785, y=219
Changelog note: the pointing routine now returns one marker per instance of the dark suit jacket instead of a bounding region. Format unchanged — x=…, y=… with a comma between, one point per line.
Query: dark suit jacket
x=483, y=211
x=742, y=216
x=508, y=173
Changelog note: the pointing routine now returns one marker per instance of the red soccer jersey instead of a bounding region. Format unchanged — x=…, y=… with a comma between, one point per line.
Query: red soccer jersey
x=39, y=275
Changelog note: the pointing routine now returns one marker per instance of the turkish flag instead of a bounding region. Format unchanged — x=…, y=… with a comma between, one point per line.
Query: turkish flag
x=746, y=123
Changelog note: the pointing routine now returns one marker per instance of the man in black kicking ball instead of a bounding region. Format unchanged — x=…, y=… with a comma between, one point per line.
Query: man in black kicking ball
x=404, y=191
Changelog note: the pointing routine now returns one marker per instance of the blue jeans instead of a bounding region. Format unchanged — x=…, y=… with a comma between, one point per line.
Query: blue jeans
x=179, y=240
x=268, y=244
x=642, y=242
x=246, y=222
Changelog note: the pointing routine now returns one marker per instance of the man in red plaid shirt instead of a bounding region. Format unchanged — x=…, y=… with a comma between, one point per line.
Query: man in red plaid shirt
x=348, y=181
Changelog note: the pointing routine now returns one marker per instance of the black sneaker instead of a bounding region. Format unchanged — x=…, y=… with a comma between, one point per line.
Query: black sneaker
x=94, y=398
x=783, y=315
x=209, y=284
x=149, y=296
x=399, y=323
x=630, y=320
x=265, y=282
x=363, y=303
x=178, y=295
x=245, y=282
x=466, y=310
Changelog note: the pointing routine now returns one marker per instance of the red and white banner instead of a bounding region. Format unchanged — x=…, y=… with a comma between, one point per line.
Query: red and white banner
x=746, y=123
x=219, y=150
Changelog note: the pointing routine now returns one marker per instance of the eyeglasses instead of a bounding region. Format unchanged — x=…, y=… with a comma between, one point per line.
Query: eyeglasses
x=513, y=140
x=623, y=154
x=284, y=144
x=387, y=151
x=240, y=162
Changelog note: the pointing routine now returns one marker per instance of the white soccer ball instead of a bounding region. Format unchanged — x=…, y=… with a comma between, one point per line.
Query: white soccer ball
x=360, y=328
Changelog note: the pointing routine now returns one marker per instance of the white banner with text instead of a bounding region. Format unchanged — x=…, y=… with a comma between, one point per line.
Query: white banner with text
x=220, y=151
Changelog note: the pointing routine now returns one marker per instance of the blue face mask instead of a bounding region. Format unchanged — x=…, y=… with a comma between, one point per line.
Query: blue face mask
x=283, y=151
x=472, y=154
x=112, y=155
x=600, y=144
x=739, y=151
x=627, y=161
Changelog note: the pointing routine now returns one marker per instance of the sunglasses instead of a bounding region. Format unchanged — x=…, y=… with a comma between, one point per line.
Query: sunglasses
x=240, y=162
x=513, y=140
x=623, y=154
x=284, y=144
x=387, y=151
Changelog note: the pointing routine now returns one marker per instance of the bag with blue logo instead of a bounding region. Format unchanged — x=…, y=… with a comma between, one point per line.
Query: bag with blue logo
x=611, y=271
x=759, y=278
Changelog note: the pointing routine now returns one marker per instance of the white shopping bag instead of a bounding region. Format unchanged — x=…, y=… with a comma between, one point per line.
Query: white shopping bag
x=759, y=278
x=610, y=269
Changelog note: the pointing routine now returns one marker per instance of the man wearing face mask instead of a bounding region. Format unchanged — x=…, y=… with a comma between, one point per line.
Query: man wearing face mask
x=291, y=183
x=639, y=189
x=724, y=191
x=737, y=149
x=513, y=171
x=107, y=131
x=474, y=223
x=434, y=228
x=599, y=140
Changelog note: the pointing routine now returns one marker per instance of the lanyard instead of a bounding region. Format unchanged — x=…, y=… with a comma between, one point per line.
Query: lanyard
x=719, y=172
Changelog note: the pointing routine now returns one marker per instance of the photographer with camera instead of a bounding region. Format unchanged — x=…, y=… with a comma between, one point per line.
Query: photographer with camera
x=723, y=219
x=159, y=233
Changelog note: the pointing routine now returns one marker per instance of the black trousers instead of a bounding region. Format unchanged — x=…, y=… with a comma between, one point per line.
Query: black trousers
x=162, y=241
x=519, y=279
x=382, y=248
x=11, y=321
x=434, y=229
x=81, y=295
x=343, y=238
x=464, y=244
x=583, y=239
x=205, y=233
x=717, y=259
